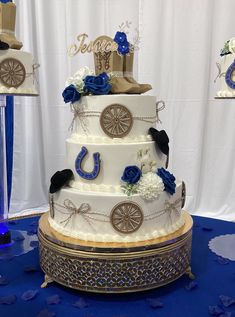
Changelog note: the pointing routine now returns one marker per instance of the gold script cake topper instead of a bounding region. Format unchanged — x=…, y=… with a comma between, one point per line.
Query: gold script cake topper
x=102, y=43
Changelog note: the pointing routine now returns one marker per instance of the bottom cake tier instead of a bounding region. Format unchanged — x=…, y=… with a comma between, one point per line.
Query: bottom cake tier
x=106, y=217
x=114, y=267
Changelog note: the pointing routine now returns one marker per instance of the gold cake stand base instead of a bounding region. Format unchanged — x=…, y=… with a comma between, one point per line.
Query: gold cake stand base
x=114, y=267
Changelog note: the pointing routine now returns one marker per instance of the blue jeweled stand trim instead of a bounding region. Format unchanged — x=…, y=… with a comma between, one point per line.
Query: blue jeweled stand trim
x=228, y=76
x=78, y=164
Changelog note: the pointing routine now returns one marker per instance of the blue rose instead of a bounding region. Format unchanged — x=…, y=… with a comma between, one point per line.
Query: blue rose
x=97, y=85
x=120, y=37
x=168, y=180
x=70, y=94
x=123, y=45
x=131, y=174
x=124, y=48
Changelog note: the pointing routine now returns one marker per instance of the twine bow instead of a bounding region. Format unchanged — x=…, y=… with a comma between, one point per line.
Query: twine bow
x=34, y=66
x=69, y=205
x=220, y=74
x=159, y=108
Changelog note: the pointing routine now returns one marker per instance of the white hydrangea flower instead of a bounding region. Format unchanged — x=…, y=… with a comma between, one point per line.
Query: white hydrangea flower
x=150, y=186
x=77, y=78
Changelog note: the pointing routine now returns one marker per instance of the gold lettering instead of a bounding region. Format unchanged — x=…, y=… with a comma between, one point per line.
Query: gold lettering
x=82, y=38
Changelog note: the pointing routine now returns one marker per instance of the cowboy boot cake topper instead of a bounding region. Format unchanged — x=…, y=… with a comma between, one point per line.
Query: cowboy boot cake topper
x=115, y=57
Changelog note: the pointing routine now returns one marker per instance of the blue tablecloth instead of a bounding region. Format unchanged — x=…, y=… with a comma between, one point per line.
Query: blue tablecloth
x=214, y=277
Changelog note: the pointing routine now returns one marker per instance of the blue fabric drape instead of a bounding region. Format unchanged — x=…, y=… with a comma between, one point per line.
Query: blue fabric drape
x=9, y=131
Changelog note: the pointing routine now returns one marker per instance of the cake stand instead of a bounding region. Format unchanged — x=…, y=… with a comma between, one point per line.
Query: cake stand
x=114, y=267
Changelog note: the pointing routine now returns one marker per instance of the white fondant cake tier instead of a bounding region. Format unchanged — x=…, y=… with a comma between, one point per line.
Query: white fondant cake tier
x=114, y=158
x=223, y=66
x=114, y=116
x=104, y=217
x=17, y=73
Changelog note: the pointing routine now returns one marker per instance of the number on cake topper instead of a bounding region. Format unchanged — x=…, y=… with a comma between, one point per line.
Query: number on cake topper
x=12, y=72
x=116, y=121
x=78, y=164
x=228, y=76
x=126, y=217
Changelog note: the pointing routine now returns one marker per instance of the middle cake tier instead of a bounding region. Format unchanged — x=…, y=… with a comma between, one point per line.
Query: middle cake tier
x=99, y=167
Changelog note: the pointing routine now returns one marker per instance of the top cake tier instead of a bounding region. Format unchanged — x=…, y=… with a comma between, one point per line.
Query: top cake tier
x=121, y=117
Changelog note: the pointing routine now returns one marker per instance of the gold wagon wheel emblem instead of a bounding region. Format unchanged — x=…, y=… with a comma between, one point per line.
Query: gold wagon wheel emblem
x=116, y=121
x=126, y=217
x=12, y=72
x=183, y=194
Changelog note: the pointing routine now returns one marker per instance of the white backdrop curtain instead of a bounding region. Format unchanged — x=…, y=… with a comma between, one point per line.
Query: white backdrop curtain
x=180, y=44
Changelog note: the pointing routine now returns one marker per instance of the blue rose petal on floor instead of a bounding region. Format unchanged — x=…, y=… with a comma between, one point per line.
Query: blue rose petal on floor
x=32, y=231
x=46, y=313
x=34, y=223
x=8, y=300
x=12, y=222
x=81, y=303
x=28, y=295
x=222, y=260
x=216, y=310
x=3, y=281
x=191, y=285
x=226, y=300
x=18, y=237
x=30, y=269
x=154, y=302
x=53, y=300
x=34, y=244
x=207, y=228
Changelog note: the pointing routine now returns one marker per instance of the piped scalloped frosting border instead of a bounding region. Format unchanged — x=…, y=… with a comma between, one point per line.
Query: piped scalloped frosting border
x=98, y=237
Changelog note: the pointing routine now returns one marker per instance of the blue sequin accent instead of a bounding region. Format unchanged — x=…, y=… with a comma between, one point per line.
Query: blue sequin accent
x=78, y=164
x=228, y=76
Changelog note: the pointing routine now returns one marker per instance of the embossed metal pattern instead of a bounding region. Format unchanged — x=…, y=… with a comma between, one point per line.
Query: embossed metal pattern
x=116, y=121
x=183, y=194
x=12, y=72
x=105, y=272
x=126, y=217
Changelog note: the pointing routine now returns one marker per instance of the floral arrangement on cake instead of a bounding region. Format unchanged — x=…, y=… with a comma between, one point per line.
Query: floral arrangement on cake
x=149, y=185
x=84, y=83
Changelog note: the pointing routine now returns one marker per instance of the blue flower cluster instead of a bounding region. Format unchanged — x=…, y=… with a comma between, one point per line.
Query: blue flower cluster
x=131, y=174
x=168, y=180
x=123, y=45
x=97, y=85
x=70, y=94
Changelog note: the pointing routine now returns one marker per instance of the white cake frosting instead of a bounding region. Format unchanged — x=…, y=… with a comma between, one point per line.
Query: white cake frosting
x=92, y=223
x=89, y=110
x=96, y=209
x=24, y=72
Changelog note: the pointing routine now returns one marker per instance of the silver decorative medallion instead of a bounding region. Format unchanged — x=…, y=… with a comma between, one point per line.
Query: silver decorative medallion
x=116, y=121
x=183, y=194
x=12, y=72
x=126, y=217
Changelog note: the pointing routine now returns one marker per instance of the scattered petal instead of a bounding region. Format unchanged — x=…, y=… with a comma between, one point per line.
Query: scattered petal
x=222, y=260
x=30, y=294
x=32, y=231
x=18, y=237
x=34, y=244
x=34, y=223
x=215, y=310
x=205, y=228
x=81, y=303
x=12, y=222
x=3, y=280
x=154, y=302
x=53, y=300
x=30, y=269
x=191, y=285
x=226, y=300
x=227, y=314
x=46, y=313
x=8, y=300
